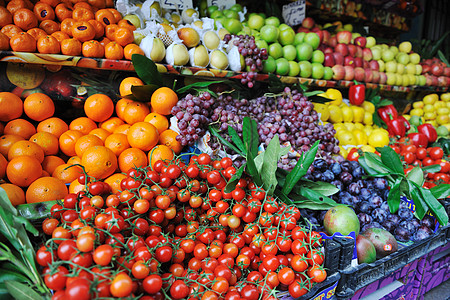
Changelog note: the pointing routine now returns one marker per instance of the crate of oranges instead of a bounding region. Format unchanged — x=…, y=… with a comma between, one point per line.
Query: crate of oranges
x=91, y=28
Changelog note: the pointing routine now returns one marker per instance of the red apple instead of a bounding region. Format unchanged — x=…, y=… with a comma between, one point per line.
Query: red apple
x=315, y=29
x=374, y=65
x=358, y=62
x=341, y=48
x=426, y=68
x=437, y=69
x=326, y=36
x=308, y=23
x=349, y=61
x=447, y=71
x=367, y=54
x=338, y=58
x=434, y=81
x=349, y=73
x=352, y=50
x=442, y=81
x=339, y=72
x=369, y=75
x=332, y=42
x=359, y=74
x=328, y=50
x=329, y=60
x=303, y=29
x=360, y=41
x=344, y=37
x=375, y=76
x=383, y=78
x=366, y=64
x=359, y=52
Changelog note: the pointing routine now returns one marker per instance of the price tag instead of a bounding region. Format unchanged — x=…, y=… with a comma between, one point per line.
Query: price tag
x=223, y=4
x=387, y=247
x=176, y=4
x=294, y=13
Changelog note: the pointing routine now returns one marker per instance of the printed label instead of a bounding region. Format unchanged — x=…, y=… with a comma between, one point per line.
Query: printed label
x=222, y=4
x=176, y=4
x=294, y=13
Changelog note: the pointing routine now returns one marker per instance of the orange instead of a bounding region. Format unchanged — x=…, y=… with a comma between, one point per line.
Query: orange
x=83, y=31
x=54, y=125
x=127, y=83
x=23, y=42
x=92, y=49
x=135, y=112
x=99, y=28
x=114, y=182
x=50, y=26
x=123, y=36
x=99, y=107
x=76, y=187
x=26, y=148
x=39, y=106
x=51, y=162
x=61, y=36
x=4, y=42
x=82, y=14
x=52, y=3
x=85, y=142
x=10, y=30
x=99, y=162
x=15, y=194
x=25, y=19
x=104, y=41
x=159, y=121
x=110, y=31
x=116, y=14
x=23, y=170
x=111, y=124
x=6, y=141
x=20, y=127
x=3, y=163
x=132, y=157
x=74, y=160
x=5, y=17
x=63, y=11
x=105, y=17
x=160, y=152
x=67, y=173
x=100, y=133
x=84, y=5
x=82, y=124
x=122, y=129
x=2, y=127
x=126, y=24
x=131, y=49
x=109, y=3
x=15, y=5
x=46, y=189
x=143, y=135
x=66, y=26
x=117, y=142
x=168, y=138
x=37, y=33
x=11, y=106
x=120, y=107
x=67, y=141
x=97, y=3
x=44, y=11
x=71, y=47
x=163, y=99
x=113, y=51
x=47, y=141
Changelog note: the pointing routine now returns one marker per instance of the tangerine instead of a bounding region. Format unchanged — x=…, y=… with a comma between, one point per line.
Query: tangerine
x=61, y=36
x=122, y=129
x=117, y=142
x=105, y=17
x=67, y=141
x=74, y=160
x=114, y=182
x=37, y=33
x=26, y=148
x=82, y=14
x=3, y=163
x=99, y=162
x=100, y=133
x=39, y=106
x=143, y=135
x=169, y=138
x=53, y=125
x=99, y=107
x=44, y=11
x=85, y=142
x=83, y=31
x=104, y=41
x=98, y=27
x=131, y=49
x=50, y=26
x=83, y=124
x=10, y=30
x=22, y=42
x=67, y=173
x=11, y=106
x=123, y=36
x=110, y=30
x=160, y=152
x=120, y=107
x=23, y=170
x=4, y=42
x=126, y=24
x=63, y=11
x=116, y=14
x=47, y=141
x=6, y=141
x=126, y=84
x=113, y=51
x=75, y=187
x=71, y=47
x=51, y=162
x=15, y=5
x=159, y=121
x=25, y=19
x=5, y=16
x=132, y=158
x=163, y=99
x=66, y=26
x=20, y=127
x=111, y=124
x=15, y=194
x=92, y=49
x=46, y=189
x=135, y=112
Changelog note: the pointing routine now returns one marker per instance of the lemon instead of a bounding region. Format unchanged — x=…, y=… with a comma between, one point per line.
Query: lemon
x=347, y=114
x=418, y=104
x=429, y=108
x=430, y=115
x=442, y=119
x=359, y=126
x=445, y=97
x=443, y=111
x=335, y=114
x=368, y=107
x=347, y=138
x=407, y=117
x=334, y=94
x=379, y=138
x=368, y=118
x=368, y=130
x=323, y=110
x=416, y=112
x=433, y=122
x=448, y=104
x=361, y=136
x=349, y=126
x=368, y=148
x=343, y=152
x=439, y=104
x=447, y=125
x=358, y=113
x=430, y=99
x=339, y=126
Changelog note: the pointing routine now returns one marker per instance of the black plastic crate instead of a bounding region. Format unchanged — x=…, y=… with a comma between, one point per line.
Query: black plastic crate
x=418, y=249
x=395, y=261
x=317, y=290
x=437, y=240
x=332, y=254
x=347, y=246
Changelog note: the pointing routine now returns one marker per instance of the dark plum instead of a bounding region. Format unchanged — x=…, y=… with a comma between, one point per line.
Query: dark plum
x=328, y=176
x=404, y=204
x=346, y=166
x=338, y=184
x=380, y=184
x=376, y=201
x=346, y=178
x=320, y=164
x=379, y=215
x=354, y=188
x=364, y=219
x=389, y=225
x=402, y=234
x=309, y=177
x=409, y=225
x=365, y=194
x=358, y=172
x=317, y=176
x=361, y=183
x=345, y=198
x=321, y=215
x=395, y=218
x=385, y=194
x=385, y=206
x=336, y=168
x=405, y=214
x=427, y=221
x=422, y=233
x=364, y=207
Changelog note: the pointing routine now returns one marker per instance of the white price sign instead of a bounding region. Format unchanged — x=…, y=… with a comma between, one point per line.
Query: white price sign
x=294, y=13
x=176, y=4
x=225, y=4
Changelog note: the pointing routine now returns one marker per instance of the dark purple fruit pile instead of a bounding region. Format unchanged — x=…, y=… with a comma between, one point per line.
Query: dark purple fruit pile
x=368, y=198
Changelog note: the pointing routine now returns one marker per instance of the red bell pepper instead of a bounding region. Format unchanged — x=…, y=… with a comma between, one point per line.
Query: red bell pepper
x=418, y=139
x=429, y=131
x=357, y=94
x=387, y=113
x=407, y=125
x=396, y=127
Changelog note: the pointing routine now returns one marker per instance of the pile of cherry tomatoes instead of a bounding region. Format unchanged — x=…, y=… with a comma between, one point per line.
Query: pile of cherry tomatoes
x=173, y=232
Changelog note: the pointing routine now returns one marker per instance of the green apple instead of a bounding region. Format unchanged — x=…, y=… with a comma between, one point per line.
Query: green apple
x=391, y=78
x=212, y=9
x=328, y=73
x=282, y=66
x=418, y=69
x=405, y=80
x=318, y=57
x=231, y=14
x=317, y=71
x=275, y=50
x=403, y=58
x=376, y=53
x=394, y=50
x=313, y=39
x=255, y=22
x=305, y=69
x=261, y=44
x=286, y=37
x=273, y=21
x=412, y=79
x=410, y=69
x=269, y=65
x=283, y=27
x=304, y=51
x=294, y=69
x=405, y=47
x=269, y=33
x=233, y=26
x=391, y=66
x=399, y=79
x=370, y=42
x=299, y=38
x=422, y=80
x=414, y=58
x=289, y=52
x=382, y=65
x=400, y=69
x=216, y=14
x=387, y=55
x=134, y=20
x=236, y=7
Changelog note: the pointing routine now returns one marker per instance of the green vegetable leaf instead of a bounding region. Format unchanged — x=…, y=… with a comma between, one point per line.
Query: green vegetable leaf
x=419, y=202
x=146, y=69
x=231, y=185
x=441, y=191
x=196, y=85
x=394, y=196
x=259, y=161
x=250, y=136
x=236, y=139
x=6, y=275
x=416, y=175
x=224, y=141
x=252, y=170
x=435, y=207
x=143, y=93
x=269, y=166
x=35, y=211
x=374, y=162
x=21, y=291
x=283, y=151
x=300, y=169
x=432, y=168
x=317, y=197
x=309, y=204
x=324, y=188
x=391, y=159
x=319, y=99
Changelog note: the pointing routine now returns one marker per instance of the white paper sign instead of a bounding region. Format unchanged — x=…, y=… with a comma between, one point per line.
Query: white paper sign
x=223, y=4
x=176, y=4
x=294, y=13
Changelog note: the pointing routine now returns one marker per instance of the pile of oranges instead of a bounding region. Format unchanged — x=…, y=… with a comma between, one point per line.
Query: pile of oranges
x=40, y=154
x=91, y=28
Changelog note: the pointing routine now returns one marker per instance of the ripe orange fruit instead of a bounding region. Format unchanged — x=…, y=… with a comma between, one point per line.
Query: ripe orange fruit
x=84, y=5
x=122, y=129
x=5, y=16
x=74, y=160
x=10, y=30
x=117, y=142
x=110, y=31
x=67, y=173
x=51, y=162
x=23, y=170
x=135, y=112
x=67, y=141
x=66, y=26
x=98, y=27
x=44, y=11
x=76, y=187
x=15, y=194
x=15, y=5
x=71, y=47
x=132, y=157
x=113, y=51
x=3, y=163
x=123, y=36
x=100, y=133
x=63, y=11
x=85, y=142
x=83, y=124
x=48, y=45
x=111, y=124
x=26, y=148
x=22, y=42
x=105, y=17
x=82, y=14
x=131, y=49
x=37, y=33
x=160, y=152
x=116, y=14
x=159, y=121
x=20, y=127
x=61, y=36
x=99, y=107
x=92, y=49
x=11, y=106
x=4, y=42
x=83, y=31
x=126, y=24
x=47, y=141
x=39, y=106
x=127, y=83
x=25, y=19
x=163, y=99
x=120, y=107
x=99, y=162
x=168, y=138
x=46, y=189
x=143, y=135
x=6, y=141
x=104, y=41
x=54, y=125
x=114, y=182
x=100, y=4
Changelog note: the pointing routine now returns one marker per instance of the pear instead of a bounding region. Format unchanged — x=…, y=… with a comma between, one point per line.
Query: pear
x=177, y=55
x=199, y=56
x=211, y=40
x=153, y=48
x=218, y=60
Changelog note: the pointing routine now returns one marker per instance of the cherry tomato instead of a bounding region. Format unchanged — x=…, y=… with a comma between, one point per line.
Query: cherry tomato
x=436, y=152
x=317, y=274
x=421, y=153
x=152, y=284
x=179, y=289
x=78, y=289
x=121, y=286
x=286, y=276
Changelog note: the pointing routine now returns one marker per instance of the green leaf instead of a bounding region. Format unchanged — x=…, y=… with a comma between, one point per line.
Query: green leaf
x=250, y=136
x=438, y=44
x=259, y=161
x=282, y=196
x=21, y=291
x=35, y=211
x=143, y=93
x=309, y=204
x=269, y=167
x=300, y=169
x=236, y=139
x=443, y=58
x=441, y=191
x=28, y=226
x=416, y=175
x=6, y=274
x=436, y=208
x=317, y=197
x=432, y=168
x=394, y=196
x=196, y=85
x=312, y=93
x=146, y=69
x=231, y=185
x=224, y=141
x=319, y=99
x=419, y=201
x=324, y=188
x=252, y=170
x=284, y=151
x=391, y=159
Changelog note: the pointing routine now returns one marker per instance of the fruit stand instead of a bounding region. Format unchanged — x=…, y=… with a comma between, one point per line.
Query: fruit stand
x=210, y=150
